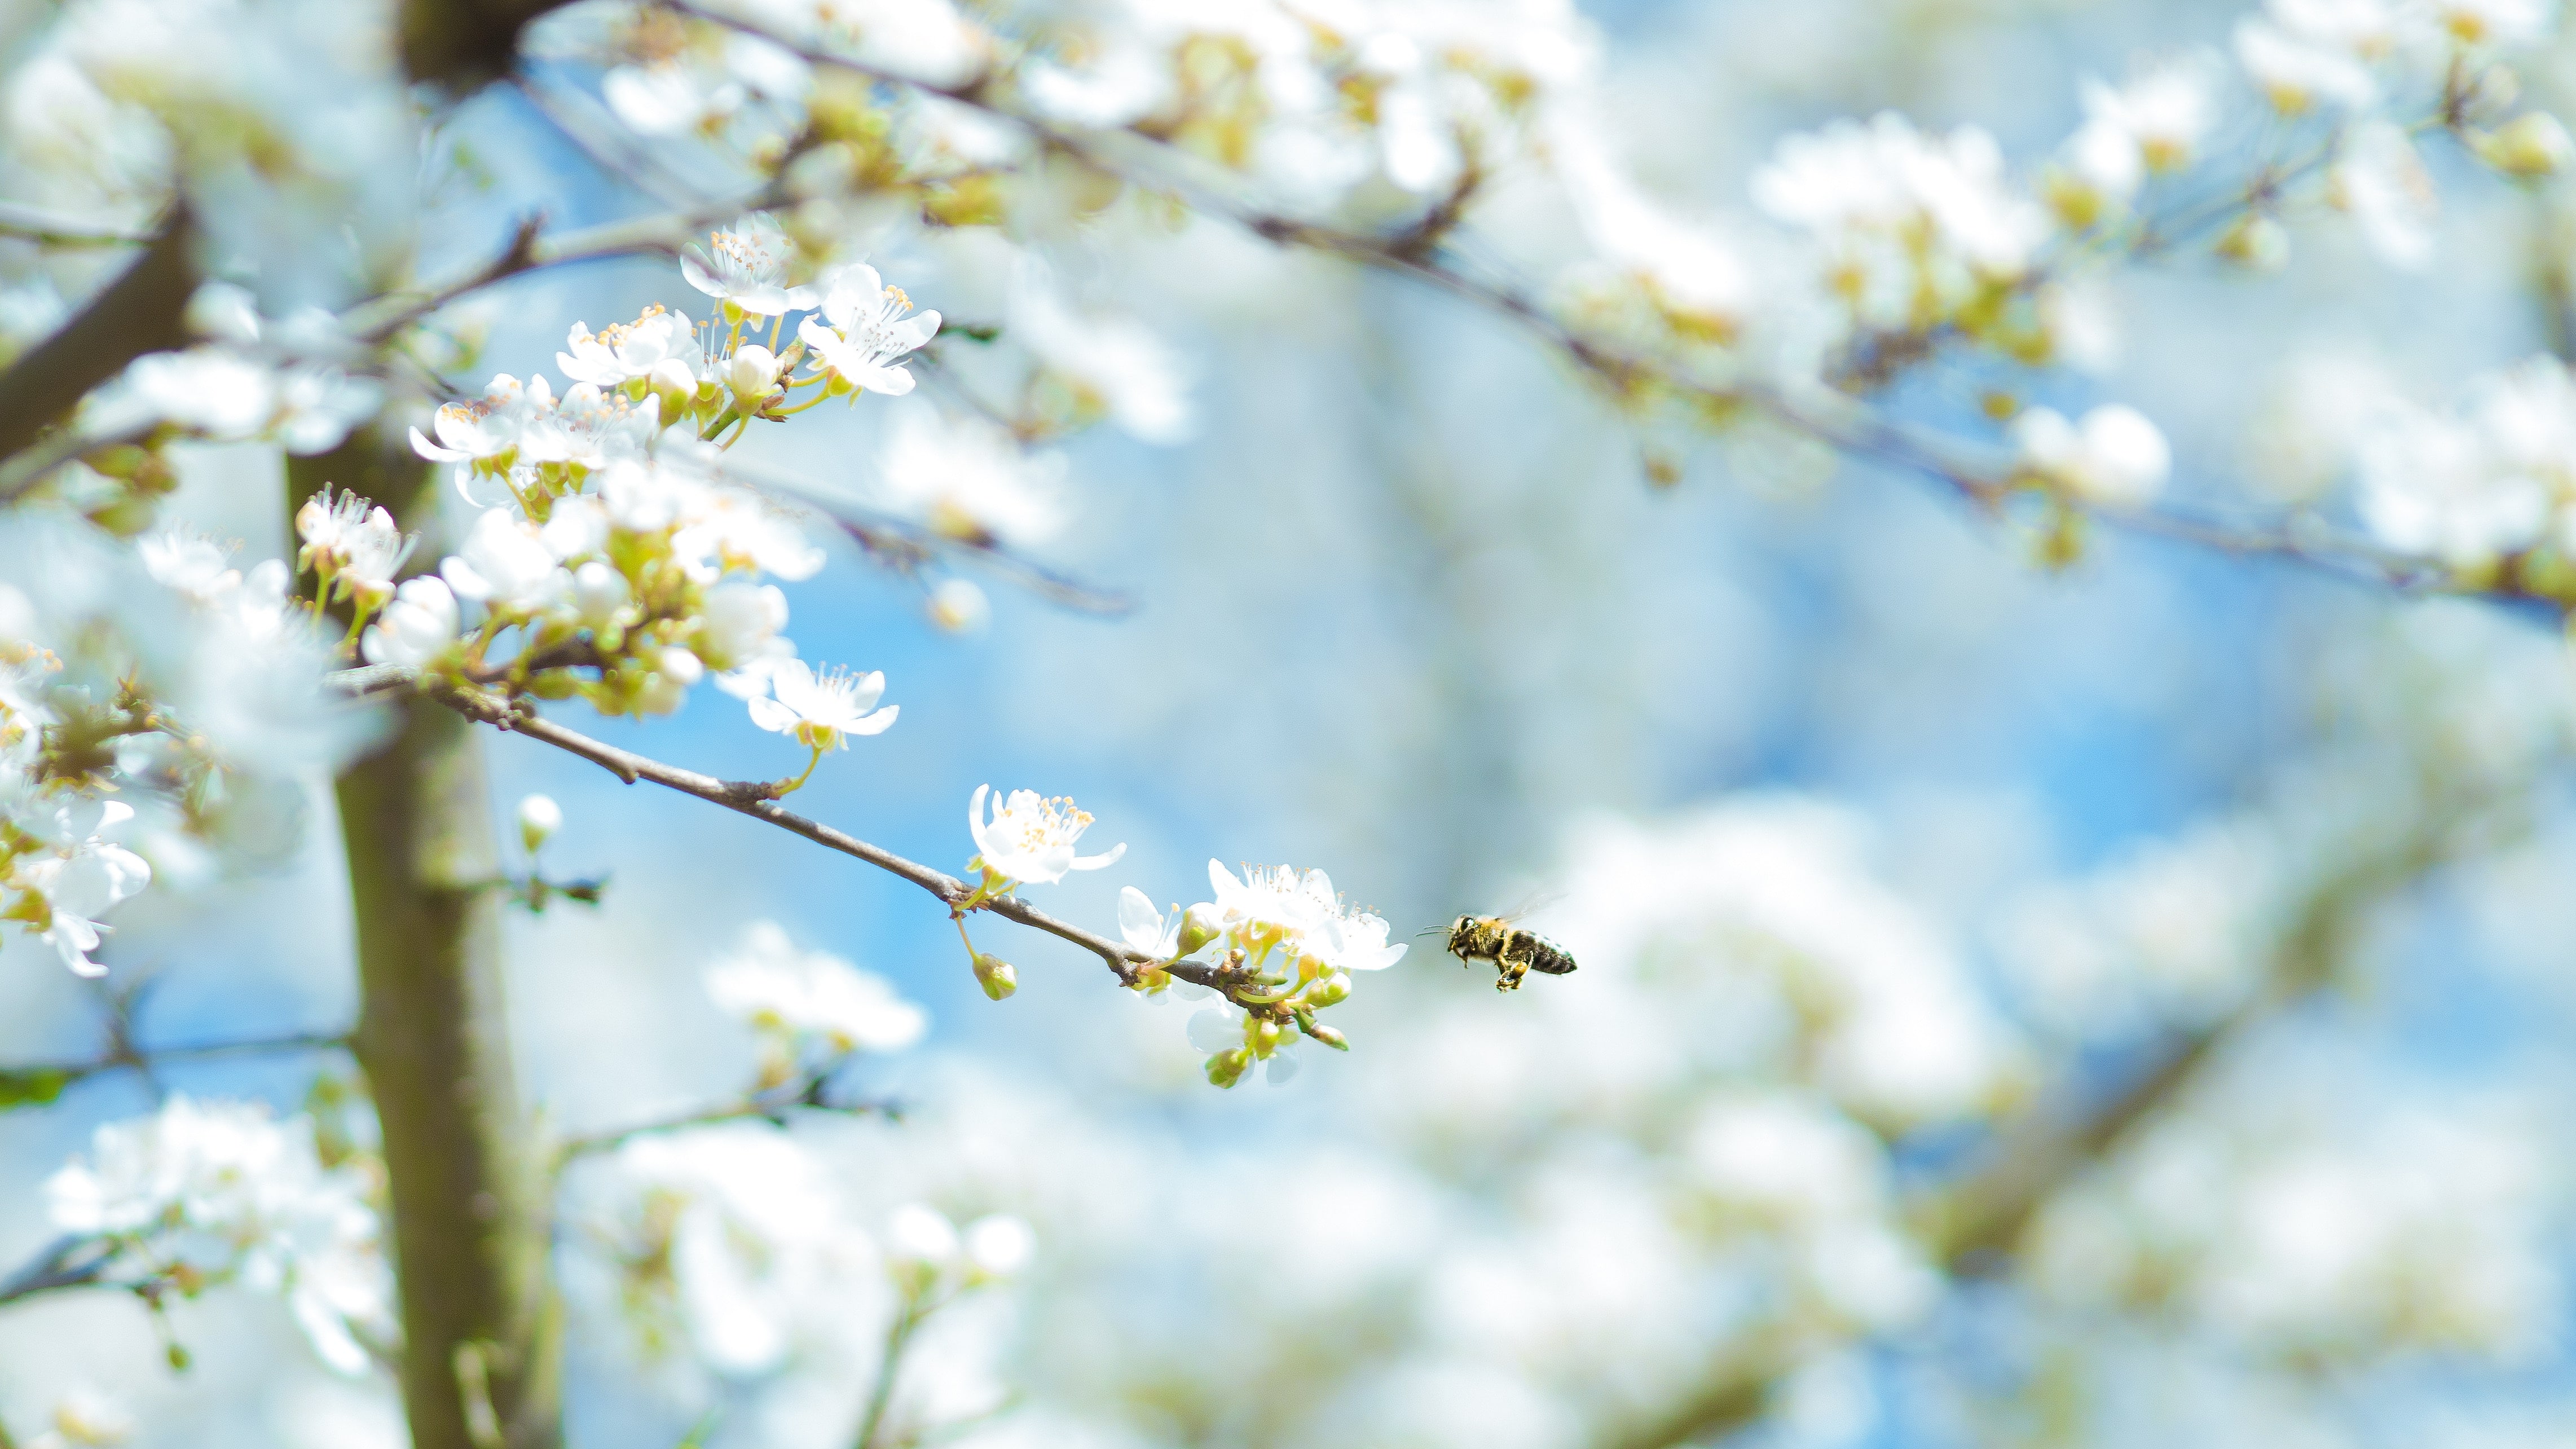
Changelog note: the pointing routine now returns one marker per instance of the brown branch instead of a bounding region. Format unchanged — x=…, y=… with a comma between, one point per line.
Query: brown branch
x=759, y=800
x=143, y=310
x=127, y=1055
x=1975, y=1226
x=1842, y=423
x=772, y=1106
x=661, y=233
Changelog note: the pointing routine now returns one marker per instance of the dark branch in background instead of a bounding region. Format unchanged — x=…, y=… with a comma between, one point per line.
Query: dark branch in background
x=142, y=311
x=773, y=1106
x=1417, y=251
x=904, y=545
x=40, y=1082
x=458, y=45
x=1978, y=1224
x=67, y=1262
x=529, y=251
x=1975, y=1225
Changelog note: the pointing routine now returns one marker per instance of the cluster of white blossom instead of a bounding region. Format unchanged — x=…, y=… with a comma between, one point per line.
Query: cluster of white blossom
x=811, y=1009
x=174, y=713
x=621, y=548
x=737, y=1270
x=205, y=1193
x=2302, y=1231
x=1295, y=936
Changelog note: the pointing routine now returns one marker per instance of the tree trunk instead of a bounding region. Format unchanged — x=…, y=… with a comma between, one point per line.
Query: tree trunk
x=482, y=1345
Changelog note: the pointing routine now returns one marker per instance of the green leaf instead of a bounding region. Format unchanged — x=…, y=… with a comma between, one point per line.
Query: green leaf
x=31, y=1086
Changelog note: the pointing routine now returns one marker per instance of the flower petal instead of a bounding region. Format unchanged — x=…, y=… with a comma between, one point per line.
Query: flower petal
x=874, y=724
x=770, y=715
x=1095, y=862
x=1138, y=921
x=695, y=267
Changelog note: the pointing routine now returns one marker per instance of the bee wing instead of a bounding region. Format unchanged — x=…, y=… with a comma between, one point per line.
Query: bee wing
x=1530, y=903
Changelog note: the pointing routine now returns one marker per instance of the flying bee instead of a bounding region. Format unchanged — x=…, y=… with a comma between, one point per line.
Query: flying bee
x=1514, y=952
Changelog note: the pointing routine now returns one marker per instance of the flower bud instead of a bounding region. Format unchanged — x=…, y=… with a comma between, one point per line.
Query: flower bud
x=2530, y=147
x=998, y=1246
x=2256, y=242
x=539, y=818
x=1331, y=1038
x=920, y=1245
x=959, y=607
x=598, y=592
x=1227, y=1068
x=1333, y=990
x=1198, y=927
x=673, y=383
x=995, y=975
x=751, y=373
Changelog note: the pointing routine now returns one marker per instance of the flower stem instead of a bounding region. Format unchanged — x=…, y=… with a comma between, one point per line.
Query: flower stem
x=789, y=787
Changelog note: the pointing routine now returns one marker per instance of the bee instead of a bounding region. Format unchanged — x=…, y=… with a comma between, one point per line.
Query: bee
x=1514, y=952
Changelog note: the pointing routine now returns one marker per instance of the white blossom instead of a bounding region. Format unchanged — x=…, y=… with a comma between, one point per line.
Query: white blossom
x=2382, y=183
x=224, y=1190
x=2470, y=487
x=346, y=539
x=746, y=267
x=80, y=876
x=823, y=712
x=539, y=818
x=506, y=566
x=2153, y=124
x=2114, y=456
x=416, y=627
x=863, y=334
x=970, y=480
x=485, y=428
x=812, y=996
x=1031, y=839
x=615, y=355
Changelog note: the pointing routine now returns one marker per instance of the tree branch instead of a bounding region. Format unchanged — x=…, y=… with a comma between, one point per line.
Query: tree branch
x=1831, y=418
x=759, y=800
x=70, y=1261
x=661, y=233
x=123, y=1055
x=142, y=311
x=772, y=1106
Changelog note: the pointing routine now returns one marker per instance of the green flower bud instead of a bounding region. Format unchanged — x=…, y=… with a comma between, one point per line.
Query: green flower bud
x=1227, y=1068
x=1331, y=991
x=1196, y=931
x=995, y=975
x=1331, y=1038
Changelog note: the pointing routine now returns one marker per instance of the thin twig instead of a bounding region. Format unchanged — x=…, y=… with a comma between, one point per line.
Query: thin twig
x=661, y=233
x=759, y=800
x=772, y=1106
x=70, y=1261
x=1839, y=422
x=124, y=1055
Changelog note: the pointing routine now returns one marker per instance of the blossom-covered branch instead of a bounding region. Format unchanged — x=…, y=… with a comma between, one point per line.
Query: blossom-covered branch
x=759, y=800
x=2107, y=472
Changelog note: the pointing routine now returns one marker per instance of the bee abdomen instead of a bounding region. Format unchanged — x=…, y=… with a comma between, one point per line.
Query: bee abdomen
x=1545, y=955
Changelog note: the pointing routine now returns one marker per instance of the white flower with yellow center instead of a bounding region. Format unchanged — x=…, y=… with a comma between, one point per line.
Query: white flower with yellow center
x=746, y=268
x=1030, y=838
x=863, y=331
x=822, y=711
